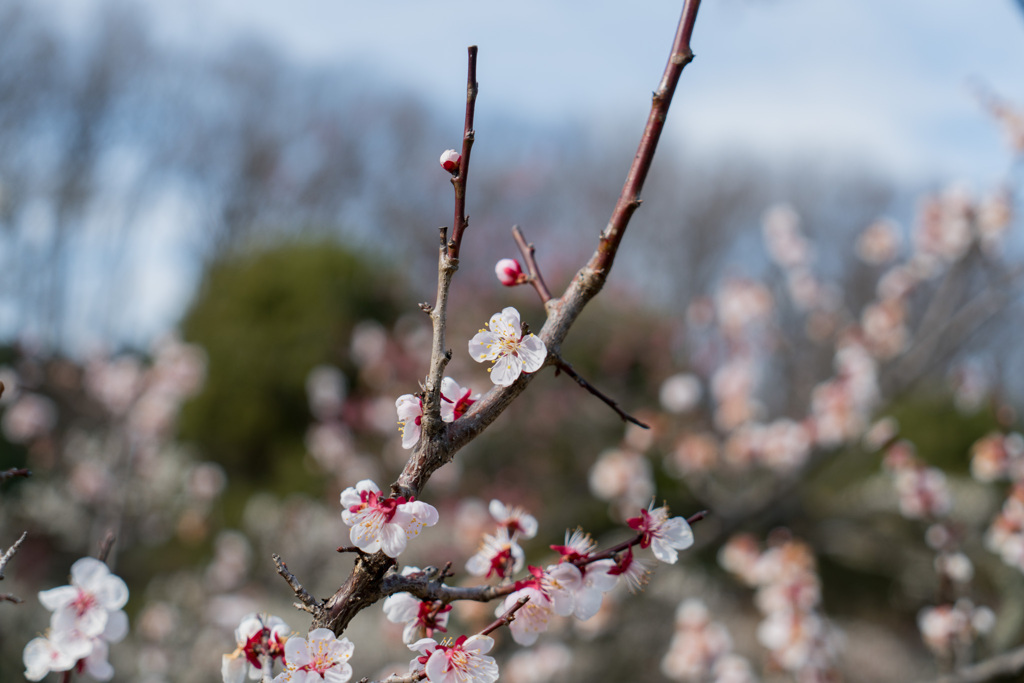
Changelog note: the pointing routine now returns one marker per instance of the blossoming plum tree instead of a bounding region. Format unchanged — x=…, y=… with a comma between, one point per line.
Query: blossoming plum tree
x=436, y=422
x=741, y=455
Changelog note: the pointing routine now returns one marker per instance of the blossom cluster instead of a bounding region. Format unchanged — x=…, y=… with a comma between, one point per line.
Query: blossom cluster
x=702, y=649
x=455, y=401
x=575, y=585
x=260, y=639
x=788, y=593
x=500, y=554
x=949, y=628
x=383, y=523
x=87, y=617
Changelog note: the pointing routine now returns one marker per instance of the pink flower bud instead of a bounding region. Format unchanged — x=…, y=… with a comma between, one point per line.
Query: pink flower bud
x=450, y=160
x=509, y=272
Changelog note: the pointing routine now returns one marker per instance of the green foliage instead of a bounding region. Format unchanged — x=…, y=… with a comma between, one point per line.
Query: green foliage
x=266, y=319
x=942, y=434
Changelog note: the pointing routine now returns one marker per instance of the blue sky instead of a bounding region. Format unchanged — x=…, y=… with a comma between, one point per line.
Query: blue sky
x=882, y=81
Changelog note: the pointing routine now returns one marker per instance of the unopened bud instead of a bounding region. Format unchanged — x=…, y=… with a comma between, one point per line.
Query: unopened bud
x=450, y=160
x=509, y=272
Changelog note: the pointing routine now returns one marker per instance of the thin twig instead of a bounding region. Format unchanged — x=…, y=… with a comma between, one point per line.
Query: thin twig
x=535, y=279
x=309, y=603
x=459, y=179
x=14, y=472
x=412, y=677
x=7, y=597
x=564, y=366
x=424, y=588
x=507, y=618
x=105, y=546
x=9, y=553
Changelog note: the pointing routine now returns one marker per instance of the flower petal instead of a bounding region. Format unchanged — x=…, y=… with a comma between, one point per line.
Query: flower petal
x=484, y=346
x=532, y=352
x=506, y=370
x=509, y=323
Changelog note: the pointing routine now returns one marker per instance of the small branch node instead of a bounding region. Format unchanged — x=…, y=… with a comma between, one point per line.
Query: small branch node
x=311, y=604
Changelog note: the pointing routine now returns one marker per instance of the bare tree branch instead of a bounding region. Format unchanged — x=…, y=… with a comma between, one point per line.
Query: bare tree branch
x=106, y=545
x=309, y=603
x=9, y=553
x=439, y=442
x=459, y=179
x=14, y=472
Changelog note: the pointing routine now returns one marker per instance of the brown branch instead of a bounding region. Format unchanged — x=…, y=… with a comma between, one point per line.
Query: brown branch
x=563, y=366
x=507, y=618
x=459, y=179
x=424, y=588
x=629, y=199
x=309, y=603
x=440, y=442
x=106, y=545
x=14, y=472
x=1006, y=664
x=431, y=423
x=9, y=553
x=8, y=597
x=535, y=278
x=407, y=678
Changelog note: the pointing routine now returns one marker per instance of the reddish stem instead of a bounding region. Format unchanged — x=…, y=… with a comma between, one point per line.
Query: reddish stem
x=459, y=179
x=629, y=199
x=535, y=279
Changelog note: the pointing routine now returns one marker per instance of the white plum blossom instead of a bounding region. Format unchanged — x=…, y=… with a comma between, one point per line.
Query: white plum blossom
x=318, y=657
x=499, y=554
x=421, y=617
x=515, y=519
x=680, y=393
x=662, y=535
x=410, y=413
x=455, y=399
x=380, y=523
x=633, y=570
x=256, y=635
x=41, y=656
x=504, y=344
x=533, y=617
x=87, y=616
x=464, y=661
x=578, y=591
x=86, y=604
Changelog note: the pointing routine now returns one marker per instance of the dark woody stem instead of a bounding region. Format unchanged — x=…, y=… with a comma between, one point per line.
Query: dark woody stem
x=563, y=366
x=507, y=618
